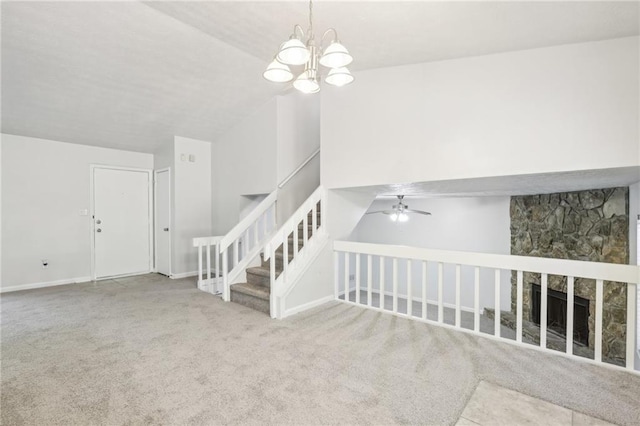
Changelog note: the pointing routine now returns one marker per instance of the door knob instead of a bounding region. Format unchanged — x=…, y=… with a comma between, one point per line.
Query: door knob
x=98, y=221
x=98, y=230
x=166, y=229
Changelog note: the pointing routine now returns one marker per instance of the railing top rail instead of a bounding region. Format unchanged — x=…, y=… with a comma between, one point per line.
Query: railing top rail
x=207, y=241
x=572, y=268
x=295, y=217
x=300, y=167
x=240, y=228
x=293, y=221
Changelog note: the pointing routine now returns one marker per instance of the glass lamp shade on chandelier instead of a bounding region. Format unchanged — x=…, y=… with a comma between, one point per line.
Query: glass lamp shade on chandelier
x=294, y=54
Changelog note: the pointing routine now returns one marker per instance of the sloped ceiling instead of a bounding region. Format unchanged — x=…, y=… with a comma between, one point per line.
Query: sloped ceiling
x=131, y=75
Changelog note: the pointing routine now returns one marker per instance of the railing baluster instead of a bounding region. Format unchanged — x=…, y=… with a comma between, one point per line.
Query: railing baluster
x=274, y=219
x=199, y=265
x=272, y=279
x=381, y=282
x=347, y=283
x=357, y=277
x=336, y=274
x=570, y=304
x=305, y=229
x=519, y=283
x=314, y=219
x=256, y=238
x=598, y=337
x=409, y=289
x=631, y=325
x=457, y=295
x=217, y=251
x=235, y=253
x=209, y=265
x=246, y=245
x=295, y=240
x=225, y=276
x=369, y=279
x=543, y=311
x=424, y=289
x=496, y=319
x=440, y=292
x=395, y=284
x=285, y=253
x=476, y=299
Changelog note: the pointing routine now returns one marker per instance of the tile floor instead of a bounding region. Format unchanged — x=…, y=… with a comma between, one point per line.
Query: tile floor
x=494, y=405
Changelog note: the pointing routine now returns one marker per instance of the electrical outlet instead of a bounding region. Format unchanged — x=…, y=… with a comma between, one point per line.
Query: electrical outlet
x=352, y=277
x=45, y=263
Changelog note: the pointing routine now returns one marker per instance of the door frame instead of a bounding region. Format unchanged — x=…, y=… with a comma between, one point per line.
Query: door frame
x=92, y=168
x=155, y=218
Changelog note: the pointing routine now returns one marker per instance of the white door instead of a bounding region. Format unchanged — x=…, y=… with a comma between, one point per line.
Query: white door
x=163, y=221
x=121, y=216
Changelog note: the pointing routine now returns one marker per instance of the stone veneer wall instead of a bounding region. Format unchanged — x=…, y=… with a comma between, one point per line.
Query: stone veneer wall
x=585, y=225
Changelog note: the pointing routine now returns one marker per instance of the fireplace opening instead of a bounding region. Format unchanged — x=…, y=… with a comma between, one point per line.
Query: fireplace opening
x=557, y=313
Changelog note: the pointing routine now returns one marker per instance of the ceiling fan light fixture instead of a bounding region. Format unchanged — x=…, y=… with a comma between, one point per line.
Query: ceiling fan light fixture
x=403, y=217
x=393, y=217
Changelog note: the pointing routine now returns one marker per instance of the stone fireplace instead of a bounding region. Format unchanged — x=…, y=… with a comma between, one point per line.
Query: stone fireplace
x=588, y=225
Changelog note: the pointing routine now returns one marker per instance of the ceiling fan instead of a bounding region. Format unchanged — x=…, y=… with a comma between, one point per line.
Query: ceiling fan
x=398, y=212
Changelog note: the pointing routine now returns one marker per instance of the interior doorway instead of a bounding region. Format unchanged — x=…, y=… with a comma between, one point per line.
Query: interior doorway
x=121, y=228
x=162, y=197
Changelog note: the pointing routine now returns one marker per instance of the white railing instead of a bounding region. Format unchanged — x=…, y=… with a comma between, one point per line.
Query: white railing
x=297, y=170
x=364, y=255
x=234, y=251
x=281, y=285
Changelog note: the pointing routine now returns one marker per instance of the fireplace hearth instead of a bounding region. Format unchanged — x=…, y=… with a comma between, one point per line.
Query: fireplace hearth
x=557, y=313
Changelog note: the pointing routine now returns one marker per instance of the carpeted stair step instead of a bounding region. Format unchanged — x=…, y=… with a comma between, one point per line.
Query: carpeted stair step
x=251, y=295
x=259, y=276
x=279, y=264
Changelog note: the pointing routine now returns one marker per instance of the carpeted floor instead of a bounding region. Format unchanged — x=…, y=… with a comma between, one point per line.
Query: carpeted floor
x=150, y=350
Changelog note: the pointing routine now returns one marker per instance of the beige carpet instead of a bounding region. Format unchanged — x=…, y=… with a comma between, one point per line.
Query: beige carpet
x=151, y=350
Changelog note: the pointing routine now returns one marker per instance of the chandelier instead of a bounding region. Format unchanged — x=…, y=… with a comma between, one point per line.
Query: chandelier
x=294, y=54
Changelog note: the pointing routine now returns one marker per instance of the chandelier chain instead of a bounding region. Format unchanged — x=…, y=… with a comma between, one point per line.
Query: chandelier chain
x=310, y=18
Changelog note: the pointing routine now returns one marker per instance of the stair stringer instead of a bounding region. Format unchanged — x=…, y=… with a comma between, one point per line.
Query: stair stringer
x=314, y=284
x=294, y=278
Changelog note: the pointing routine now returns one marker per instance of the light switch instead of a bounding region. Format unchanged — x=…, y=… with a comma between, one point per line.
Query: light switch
x=183, y=157
x=192, y=158
x=84, y=212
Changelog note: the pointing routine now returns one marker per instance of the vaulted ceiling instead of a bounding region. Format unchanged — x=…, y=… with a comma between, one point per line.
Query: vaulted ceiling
x=130, y=75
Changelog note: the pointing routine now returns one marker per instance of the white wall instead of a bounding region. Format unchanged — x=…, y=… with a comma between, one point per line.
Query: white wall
x=192, y=201
x=45, y=184
x=298, y=138
x=260, y=152
x=569, y=107
x=634, y=215
x=344, y=209
x=298, y=131
x=479, y=224
x=243, y=163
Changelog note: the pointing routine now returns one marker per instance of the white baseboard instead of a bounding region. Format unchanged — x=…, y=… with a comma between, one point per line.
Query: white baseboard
x=44, y=284
x=388, y=293
x=184, y=275
x=307, y=306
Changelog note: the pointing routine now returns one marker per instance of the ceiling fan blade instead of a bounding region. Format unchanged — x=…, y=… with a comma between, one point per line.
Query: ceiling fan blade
x=417, y=211
x=382, y=211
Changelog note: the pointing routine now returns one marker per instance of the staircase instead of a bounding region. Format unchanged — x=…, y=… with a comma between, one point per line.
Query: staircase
x=256, y=292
